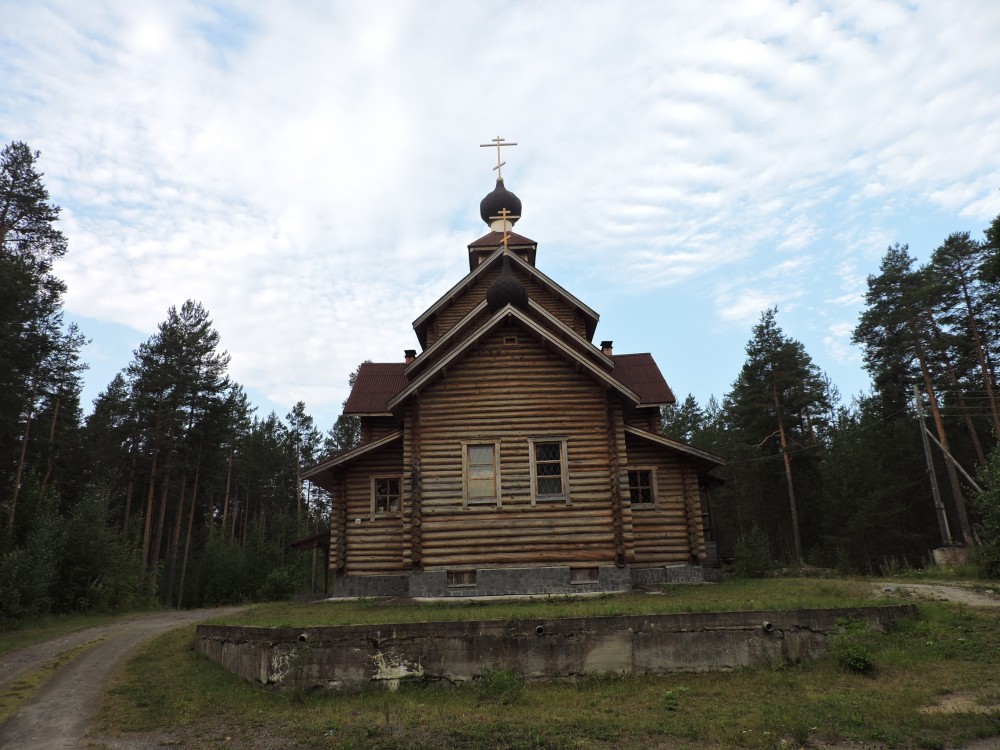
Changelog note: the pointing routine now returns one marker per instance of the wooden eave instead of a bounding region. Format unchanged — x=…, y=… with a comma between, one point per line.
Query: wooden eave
x=346, y=457
x=677, y=445
x=510, y=311
x=461, y=328
x=419, y=325
x=442, y=344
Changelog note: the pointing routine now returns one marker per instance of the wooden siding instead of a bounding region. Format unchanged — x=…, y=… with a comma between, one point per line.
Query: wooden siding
x=670, y=532
x=373, y=428
x=462, y=305
x=644, y=419
x=371, y=546
x=510, y=393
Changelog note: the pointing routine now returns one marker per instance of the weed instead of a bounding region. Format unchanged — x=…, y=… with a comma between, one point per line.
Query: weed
x=495, y=685
x=672, y=698
x=851, y=647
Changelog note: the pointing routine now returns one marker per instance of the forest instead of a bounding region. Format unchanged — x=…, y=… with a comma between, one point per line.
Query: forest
x=174, y=492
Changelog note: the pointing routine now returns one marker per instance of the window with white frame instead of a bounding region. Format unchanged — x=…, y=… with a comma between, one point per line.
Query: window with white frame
x=386, y=496
x=482, y=473
x=642, y=487
x=549, y=479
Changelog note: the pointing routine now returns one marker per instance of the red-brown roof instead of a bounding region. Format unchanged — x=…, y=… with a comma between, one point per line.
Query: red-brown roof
x=376, y=384
x=495, y=239
x=639, y=373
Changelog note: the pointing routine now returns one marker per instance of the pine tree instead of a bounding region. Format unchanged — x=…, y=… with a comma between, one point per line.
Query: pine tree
x=779, y=401
x=896, y=332
x=37, y=357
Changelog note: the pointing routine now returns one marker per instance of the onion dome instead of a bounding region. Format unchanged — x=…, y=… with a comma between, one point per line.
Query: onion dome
x=506, y=290
x=491, y=206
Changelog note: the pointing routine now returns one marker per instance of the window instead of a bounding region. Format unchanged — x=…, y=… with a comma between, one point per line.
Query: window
x=548, y=469
x=482, y=473
x=642, y=487
x=386, y=494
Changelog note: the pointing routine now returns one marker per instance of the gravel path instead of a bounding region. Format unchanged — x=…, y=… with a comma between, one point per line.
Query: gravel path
x=946, y=592
x=58, y=716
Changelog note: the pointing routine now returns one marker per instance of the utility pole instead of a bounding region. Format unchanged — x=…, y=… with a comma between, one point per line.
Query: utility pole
x=942, y=516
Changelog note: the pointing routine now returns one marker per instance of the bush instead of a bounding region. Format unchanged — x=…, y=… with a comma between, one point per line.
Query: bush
x=988, y=505
x=279, y=585
x=852, y=649
x=29, y=556
x=753, y=555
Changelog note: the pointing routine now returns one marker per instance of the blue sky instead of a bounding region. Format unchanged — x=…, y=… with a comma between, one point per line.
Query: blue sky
x=311, y=172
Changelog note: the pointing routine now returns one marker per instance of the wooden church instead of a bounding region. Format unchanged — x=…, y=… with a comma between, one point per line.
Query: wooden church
x=512, y=455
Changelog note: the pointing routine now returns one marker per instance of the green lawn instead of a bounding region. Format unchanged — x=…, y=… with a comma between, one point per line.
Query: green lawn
x=948, y=653
x=774, y=593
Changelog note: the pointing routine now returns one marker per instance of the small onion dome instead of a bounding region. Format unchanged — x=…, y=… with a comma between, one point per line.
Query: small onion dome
x=501, y=198
x=506, y=290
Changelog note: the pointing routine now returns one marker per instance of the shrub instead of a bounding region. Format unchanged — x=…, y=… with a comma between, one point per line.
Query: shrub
x=753, y=555
x=988, y=505
x=851, y=647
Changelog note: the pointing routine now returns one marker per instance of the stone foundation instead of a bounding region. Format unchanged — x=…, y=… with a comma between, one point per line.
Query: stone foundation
x=555, y=579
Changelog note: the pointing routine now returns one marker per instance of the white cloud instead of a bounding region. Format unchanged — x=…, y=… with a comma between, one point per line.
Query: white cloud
x=311, y=172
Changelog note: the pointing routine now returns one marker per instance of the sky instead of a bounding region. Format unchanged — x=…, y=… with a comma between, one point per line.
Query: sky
x=311, y=171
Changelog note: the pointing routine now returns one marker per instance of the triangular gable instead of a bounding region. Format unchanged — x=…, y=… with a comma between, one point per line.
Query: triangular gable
x=681, y=447
x=461, y=328
x=570, y=352
x=347, y=457
x=420, y=324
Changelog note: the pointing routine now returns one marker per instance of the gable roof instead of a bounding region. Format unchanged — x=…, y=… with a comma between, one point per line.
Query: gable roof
x=509, y=311
x=495, y=239
x=420, y=324
x=377, y=382
x=710, y=460
x=640, y=373
x=347, y=456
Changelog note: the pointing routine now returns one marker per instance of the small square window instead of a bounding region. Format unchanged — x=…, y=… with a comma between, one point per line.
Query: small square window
x=386, y=496
x=641, y=488
x=461, y=578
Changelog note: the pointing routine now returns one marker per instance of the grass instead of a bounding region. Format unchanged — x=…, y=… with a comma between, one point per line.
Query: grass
x=777, y=593
x=947, y=652
x=14, y=636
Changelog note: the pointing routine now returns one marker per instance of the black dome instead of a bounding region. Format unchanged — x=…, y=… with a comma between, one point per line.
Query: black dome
x=506, y=290
x=501, y=198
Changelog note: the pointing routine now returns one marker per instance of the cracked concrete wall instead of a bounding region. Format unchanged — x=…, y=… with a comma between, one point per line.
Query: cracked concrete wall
x=353, y=657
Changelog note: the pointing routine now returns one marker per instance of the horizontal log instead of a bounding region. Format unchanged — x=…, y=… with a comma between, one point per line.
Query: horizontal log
x=557, y=557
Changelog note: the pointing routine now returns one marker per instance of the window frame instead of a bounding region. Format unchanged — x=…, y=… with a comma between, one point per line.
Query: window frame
x=561, y=441
x=653, y=503
x=375, y=512
x=467, y=499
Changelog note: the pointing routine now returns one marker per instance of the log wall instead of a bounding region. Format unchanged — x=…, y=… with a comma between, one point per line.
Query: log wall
x=668, y=533
x=373, y=428
x=372, y=546
x=510, y=393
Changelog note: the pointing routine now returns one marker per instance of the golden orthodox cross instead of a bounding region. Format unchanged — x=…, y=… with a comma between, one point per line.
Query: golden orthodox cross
x=498, y=142
x=505, y=214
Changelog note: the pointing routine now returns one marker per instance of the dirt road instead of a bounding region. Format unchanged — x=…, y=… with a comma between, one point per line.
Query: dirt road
x=58, y=716
x=945, y=592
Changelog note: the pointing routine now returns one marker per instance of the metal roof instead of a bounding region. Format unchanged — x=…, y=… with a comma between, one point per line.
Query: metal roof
x=376, y=384
x=640, y=373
